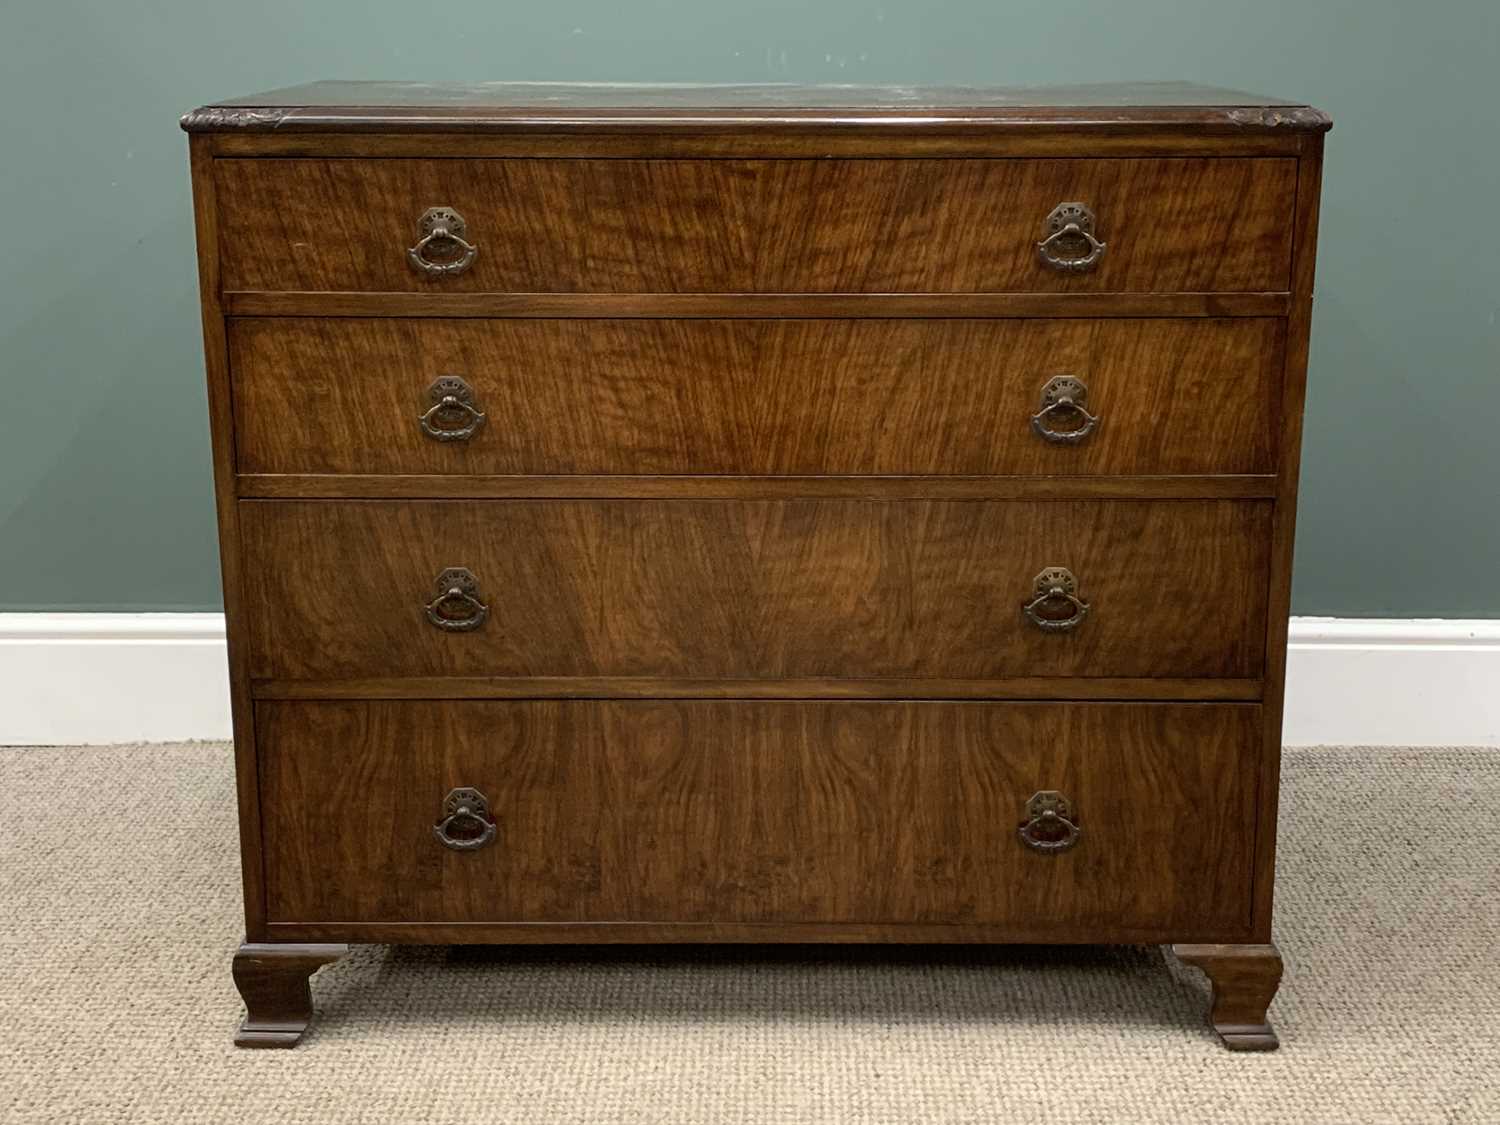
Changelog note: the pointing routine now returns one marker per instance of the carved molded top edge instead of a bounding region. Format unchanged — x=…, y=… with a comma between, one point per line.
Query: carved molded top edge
x=210, y=117
x=502, y=119
x=1281, y=117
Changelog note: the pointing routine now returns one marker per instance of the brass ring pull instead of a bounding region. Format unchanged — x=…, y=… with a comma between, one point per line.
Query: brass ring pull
x=1055, y=585
x=452, y=401
x=1070, y=245
x=1050, y=826
x=467, y=813
x=442, y=231
x=1063, y=398
x=456, y=607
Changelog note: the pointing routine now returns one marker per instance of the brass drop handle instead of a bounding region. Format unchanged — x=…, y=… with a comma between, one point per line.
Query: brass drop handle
x=456, y=608
x=441, y=250
x=1053, y=587
x=1050, y=826
x=1064, y=398
x=467, y=824
x=1070, y=245
x=452, y=415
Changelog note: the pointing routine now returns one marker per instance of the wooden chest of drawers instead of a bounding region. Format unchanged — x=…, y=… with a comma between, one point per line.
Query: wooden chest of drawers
x=756, y=514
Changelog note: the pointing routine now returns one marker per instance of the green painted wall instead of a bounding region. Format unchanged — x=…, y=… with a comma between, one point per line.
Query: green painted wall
x=104, y=470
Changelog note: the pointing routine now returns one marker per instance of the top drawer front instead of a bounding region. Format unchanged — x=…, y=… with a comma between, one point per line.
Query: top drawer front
x=756, y=226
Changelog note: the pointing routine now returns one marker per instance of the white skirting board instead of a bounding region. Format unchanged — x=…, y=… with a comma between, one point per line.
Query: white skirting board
x=68, y=678
x=73, y=678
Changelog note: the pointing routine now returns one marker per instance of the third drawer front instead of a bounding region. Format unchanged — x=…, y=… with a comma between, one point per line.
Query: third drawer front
x=1093, y=821
x=755, y=396
x=755, y=589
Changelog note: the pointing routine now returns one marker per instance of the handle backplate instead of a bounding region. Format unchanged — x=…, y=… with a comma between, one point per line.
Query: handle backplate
x=1064, y=399
x=1070, y=245
x=467, y=824
x=441, y=249
x=452, y=415
x=1050, y=826
x=455, y=607
x=1051, y=588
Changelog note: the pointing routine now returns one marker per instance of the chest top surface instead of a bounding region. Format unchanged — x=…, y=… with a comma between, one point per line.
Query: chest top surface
x=337, y=106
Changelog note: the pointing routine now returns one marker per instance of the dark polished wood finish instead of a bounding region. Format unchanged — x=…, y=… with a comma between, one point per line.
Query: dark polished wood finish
x=559, y=486
x=696, y=811
x=1093, y=110
x=698, y=933
x=273, y=982
x=756, y=589
x=1217, y=689
x=1244, y=979
x=770, y=226
x=221, y=424
x=772, y=398
x=754, y=510
x=624, y=140
x=721, y=306
x=1289, y=460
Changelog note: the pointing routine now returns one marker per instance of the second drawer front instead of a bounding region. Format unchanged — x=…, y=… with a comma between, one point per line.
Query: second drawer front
x=754, y=396
x=753, y=589
x=696, y=811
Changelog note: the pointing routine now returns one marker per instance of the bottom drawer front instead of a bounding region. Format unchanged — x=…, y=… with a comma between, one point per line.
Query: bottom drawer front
x=715, y=811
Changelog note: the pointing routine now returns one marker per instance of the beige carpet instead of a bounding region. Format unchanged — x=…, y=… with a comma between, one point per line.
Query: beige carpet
x=119, y=891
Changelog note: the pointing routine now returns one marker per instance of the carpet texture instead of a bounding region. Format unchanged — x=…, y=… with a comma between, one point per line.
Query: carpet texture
x=120, y=895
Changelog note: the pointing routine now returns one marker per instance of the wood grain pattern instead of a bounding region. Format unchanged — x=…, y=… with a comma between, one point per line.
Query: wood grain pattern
x=829, y=226
x=220, y=413
x=808, y=140
x=1219, y=689
x=755, y=513
x=364, y=486
x=1244, y=979
x=759, y=933
x=755, y=589
x=1283, y=530
x=272, y=979
x=754, y=397
x=756, y=306
x=762, y=812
